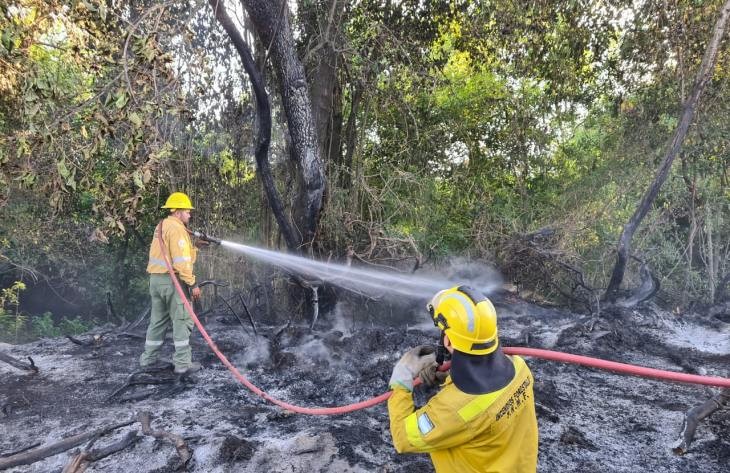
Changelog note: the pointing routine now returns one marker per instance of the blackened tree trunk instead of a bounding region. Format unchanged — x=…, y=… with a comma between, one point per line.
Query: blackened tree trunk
x=271, y=21
x=703, y=76
x=263, y=138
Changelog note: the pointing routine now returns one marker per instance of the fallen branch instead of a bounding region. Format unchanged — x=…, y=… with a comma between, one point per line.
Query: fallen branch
x=80, y=462
x=143, y=377
x=40, y=453
x=78, y=342
x=694, y=416
x=20, y=450
x=180, y=445
x=19, y=364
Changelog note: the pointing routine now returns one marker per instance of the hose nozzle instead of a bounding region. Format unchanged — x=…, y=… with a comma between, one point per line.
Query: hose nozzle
x=202, y=236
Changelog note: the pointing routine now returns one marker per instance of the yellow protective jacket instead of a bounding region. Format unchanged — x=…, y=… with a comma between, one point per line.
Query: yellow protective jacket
x=180, y=250
x=493, y=432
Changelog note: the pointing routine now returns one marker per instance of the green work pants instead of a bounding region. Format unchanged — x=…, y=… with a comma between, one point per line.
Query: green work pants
x=167, y=309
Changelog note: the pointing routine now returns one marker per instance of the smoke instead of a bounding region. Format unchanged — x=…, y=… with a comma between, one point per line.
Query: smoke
x=313, y=352
x=475, y=274
x=342, y=319
x=257, y=352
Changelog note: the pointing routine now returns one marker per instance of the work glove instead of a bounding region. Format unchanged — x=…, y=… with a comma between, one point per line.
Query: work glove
x=195, y=293
x=431, y=376
x=413, y=362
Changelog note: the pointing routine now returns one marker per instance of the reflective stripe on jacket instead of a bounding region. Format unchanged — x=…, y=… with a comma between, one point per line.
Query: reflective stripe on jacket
x=180, y=250
x=493, y=432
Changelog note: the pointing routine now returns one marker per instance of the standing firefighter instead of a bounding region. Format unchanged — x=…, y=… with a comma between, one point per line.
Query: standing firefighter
x=483, y=418
x=167, y=306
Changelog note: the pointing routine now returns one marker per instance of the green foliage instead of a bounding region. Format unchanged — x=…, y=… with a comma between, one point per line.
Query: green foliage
x=11, y=321
x=496, y=120
x=477, y=123
x=75, y=326
x=44, y=326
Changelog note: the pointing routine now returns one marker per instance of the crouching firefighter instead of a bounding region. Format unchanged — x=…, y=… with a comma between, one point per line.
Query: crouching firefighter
x=483, y=417
x=167, y=307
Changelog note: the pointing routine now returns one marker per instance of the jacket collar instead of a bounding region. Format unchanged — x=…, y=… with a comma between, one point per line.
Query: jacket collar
x=176, y=220
x=481, y=374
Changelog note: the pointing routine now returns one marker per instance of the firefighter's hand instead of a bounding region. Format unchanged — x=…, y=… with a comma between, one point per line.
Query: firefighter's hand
x=201, y=243
x=195, y=293
x=431, y=376
x=410, y=364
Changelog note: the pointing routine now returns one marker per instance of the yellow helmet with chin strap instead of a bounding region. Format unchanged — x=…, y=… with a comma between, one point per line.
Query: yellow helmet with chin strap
x=178, y=201
x=467, y=317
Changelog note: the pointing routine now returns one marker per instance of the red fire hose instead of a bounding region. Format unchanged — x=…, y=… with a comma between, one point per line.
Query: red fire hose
x=532, y=352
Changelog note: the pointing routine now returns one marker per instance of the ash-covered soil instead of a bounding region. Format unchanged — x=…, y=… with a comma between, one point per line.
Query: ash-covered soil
x=589, y=420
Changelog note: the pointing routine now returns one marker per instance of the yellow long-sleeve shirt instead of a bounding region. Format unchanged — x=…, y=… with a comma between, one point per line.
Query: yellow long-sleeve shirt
x=493, y=432
x=180, y=250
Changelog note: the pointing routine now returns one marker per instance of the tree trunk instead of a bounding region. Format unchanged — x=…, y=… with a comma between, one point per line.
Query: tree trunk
x=263, y=138
x=271, y=20
x=703, y=76
x=351, y=135
x=322, y=61
x=692, y=204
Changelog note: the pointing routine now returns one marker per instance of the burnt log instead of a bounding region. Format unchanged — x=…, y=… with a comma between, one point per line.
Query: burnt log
x=80, y=461
x=694, y=416
x=15, y=363
x=37, y=454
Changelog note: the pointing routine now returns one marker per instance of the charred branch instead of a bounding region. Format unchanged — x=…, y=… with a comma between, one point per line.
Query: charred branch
x=180, y=445
x=694, y=416
x=248, y=313
x=263, y=138
x=533, y=258
x=81, y=461
x=315, y=306
x=230, y=307
x=298, y=109
x=15, y=363
x=148, y=375
x=37, y=454
x=20, y=450
x=142, y=316
x=703, y=76
x=94, y=341
x=646, y=290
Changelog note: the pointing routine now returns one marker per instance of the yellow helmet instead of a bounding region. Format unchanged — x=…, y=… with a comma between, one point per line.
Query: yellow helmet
x=467, y=317
x=178, y=200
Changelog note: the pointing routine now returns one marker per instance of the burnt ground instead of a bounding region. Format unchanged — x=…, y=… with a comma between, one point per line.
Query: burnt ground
x=588, y=419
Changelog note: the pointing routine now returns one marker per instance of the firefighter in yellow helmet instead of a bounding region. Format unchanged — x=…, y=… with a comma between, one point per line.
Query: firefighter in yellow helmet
x=167, y=307
x=483, y=417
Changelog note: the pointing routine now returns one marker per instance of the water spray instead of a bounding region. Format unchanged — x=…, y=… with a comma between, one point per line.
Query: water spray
x=369, y=282
x=533, y=352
